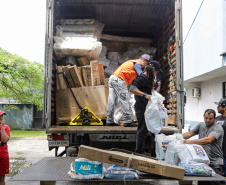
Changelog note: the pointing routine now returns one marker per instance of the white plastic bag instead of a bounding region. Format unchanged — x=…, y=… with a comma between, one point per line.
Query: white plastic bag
x=161, y=144
x=192, y=152
x=155, y=113
x=171, y=157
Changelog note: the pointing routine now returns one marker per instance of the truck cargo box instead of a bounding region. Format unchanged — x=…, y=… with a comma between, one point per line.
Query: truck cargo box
x=122, y=25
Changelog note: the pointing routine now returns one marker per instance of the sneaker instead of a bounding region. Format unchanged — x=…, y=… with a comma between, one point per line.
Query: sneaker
x=132, y=124
x=112, y=124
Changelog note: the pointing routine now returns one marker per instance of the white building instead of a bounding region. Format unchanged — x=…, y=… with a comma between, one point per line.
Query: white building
x=204, y=50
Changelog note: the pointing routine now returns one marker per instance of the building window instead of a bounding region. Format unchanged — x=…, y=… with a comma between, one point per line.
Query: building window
x=224, y=60
x=224, y=90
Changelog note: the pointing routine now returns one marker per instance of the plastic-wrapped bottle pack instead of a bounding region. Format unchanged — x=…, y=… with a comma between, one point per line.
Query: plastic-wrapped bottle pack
x=87, y=169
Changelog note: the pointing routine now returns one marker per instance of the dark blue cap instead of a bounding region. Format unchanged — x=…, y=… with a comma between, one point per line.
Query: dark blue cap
x=146, y=57
x=222, y=102
x=156, y=64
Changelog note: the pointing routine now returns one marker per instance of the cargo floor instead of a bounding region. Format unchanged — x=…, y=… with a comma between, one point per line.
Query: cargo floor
x=51, y=169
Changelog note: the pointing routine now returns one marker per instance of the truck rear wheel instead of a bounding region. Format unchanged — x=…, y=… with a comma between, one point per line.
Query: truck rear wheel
x=72, y=151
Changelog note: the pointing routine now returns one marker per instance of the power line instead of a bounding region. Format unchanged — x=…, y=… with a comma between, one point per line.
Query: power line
x=193, y=21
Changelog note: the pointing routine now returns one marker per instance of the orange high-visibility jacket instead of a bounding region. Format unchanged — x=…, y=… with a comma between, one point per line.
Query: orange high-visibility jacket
x=127, y=72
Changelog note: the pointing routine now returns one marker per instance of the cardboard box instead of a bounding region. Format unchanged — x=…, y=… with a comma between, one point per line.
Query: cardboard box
x=83, y=61
x=95, y=98
x=132, y=161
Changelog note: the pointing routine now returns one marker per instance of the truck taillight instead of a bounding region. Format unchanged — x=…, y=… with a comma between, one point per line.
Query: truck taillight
x=56, y=137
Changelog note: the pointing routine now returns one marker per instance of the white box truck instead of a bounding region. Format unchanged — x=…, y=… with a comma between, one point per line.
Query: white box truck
x=127, y=23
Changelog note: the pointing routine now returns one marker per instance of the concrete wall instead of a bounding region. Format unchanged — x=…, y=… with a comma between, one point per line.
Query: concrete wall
x=204, y=43
x=211, y=91
x=21, y=119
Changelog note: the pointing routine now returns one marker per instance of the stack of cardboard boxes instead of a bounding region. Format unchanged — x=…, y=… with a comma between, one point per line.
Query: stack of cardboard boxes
x=88, y=85
x=77, y=47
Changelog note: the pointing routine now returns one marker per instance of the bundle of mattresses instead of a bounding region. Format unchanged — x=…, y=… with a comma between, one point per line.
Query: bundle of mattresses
x=78, y=37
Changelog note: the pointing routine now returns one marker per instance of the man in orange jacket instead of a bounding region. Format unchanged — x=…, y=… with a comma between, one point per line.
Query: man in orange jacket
x=118, y=83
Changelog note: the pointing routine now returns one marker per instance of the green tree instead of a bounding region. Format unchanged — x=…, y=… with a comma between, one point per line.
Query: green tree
x=21, y=79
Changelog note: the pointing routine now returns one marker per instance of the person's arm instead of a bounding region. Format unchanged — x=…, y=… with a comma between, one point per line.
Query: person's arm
x=137, y=68
x=202, y=141
x=139, y=93
x=158, y=86
x=4, y=136
x=188, y=135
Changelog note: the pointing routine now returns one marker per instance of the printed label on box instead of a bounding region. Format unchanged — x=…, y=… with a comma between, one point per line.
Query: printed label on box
x=199, y=151
x=165, y=146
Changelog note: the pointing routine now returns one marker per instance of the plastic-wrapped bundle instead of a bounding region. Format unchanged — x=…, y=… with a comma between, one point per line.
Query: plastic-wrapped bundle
x=111, y=68
x=197, y=169
x=81, y=28
x=71, y=60
x=192, y=152
x=77, y=46
x=155, y=113
x=113, y=56
x=148, y=50
x=61, y=33
x=103, y=52
x=118, y=172
x=161, y=144
x=82, y=22
x=123, y=59
x=131, y=53
x=104, y=61
x=87, y=169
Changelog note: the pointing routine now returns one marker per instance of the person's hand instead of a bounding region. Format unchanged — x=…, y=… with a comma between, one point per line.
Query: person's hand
x=2, y=122
x=186, y=141
x=148, y=96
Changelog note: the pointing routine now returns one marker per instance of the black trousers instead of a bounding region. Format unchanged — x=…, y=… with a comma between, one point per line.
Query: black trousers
x=142, y=132
x=219, y=171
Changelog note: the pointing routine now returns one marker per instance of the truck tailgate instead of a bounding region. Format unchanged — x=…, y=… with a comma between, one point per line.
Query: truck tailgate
x=103, y=129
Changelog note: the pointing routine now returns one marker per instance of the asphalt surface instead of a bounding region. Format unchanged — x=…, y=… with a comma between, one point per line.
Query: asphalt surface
x=34, y=149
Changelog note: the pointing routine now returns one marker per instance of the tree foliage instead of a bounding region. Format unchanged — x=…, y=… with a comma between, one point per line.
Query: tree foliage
x=21, y=79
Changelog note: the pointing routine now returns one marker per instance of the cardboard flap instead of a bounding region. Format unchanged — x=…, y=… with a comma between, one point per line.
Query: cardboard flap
x=132, y=161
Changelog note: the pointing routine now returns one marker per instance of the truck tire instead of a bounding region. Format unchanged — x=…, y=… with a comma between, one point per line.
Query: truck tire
x=72, y=151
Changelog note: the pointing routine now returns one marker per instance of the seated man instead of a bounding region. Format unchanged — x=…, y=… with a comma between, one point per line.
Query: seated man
x=211, y=138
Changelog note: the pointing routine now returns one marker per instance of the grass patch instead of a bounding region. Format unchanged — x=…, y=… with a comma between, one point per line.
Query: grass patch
x=27, y=133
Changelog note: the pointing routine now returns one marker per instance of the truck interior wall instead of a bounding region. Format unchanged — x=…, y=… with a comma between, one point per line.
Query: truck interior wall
x=53, y=90
x=165, y=57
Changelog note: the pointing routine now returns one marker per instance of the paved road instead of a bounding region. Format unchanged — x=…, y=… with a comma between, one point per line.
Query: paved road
x=34, y=149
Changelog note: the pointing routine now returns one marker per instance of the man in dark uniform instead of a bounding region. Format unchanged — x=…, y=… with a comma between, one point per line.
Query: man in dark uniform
x=221, y=107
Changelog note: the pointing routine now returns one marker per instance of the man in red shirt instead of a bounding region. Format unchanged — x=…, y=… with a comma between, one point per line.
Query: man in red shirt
x=4, y=155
